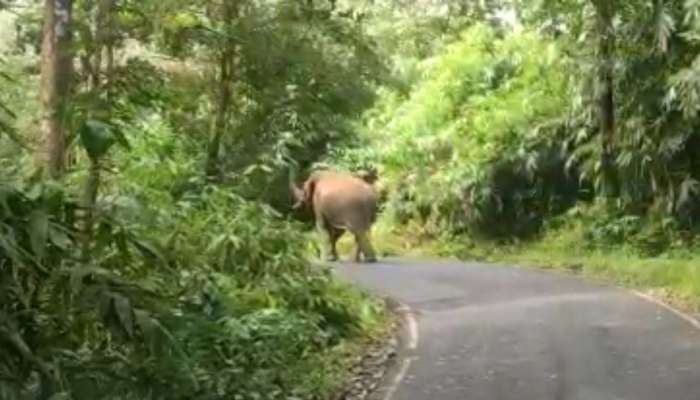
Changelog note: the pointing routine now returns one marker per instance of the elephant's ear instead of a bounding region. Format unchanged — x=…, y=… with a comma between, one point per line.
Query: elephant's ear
x=368, y=175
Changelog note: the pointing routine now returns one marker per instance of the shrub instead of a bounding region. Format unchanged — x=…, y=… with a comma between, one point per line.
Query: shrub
x=190, y=291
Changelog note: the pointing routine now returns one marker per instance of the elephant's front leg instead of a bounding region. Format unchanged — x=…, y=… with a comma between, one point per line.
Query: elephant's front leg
x=335, y=235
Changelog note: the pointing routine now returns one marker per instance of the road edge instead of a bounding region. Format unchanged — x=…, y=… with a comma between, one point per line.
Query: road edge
x=603, y=282
x=694, y=322
x=408, y=340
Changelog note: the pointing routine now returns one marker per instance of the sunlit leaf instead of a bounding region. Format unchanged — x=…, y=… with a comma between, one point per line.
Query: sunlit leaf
x=38, y=232
x=124, y=310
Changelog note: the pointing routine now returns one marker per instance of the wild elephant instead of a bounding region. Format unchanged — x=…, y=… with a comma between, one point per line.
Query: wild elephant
x=340, y=202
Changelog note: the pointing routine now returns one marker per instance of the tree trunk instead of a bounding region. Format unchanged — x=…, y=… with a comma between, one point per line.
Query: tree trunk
x=103, y=40
x=56, y=71
x=101, y=76
x=223, y=104
x=227, y=63
x=606, y=100
x=109, y=67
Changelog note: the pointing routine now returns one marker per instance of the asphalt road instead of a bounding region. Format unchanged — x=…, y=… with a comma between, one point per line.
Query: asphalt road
x=495, y=333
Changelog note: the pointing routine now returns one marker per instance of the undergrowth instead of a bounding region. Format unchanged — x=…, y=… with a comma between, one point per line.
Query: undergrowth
x=190, y=291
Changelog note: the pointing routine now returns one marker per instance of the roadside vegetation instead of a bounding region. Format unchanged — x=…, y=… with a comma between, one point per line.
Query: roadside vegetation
x=144, y=153
x=554, y=134
x=148, y=248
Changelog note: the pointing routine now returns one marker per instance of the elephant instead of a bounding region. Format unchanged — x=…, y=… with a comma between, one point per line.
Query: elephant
x=340, y=202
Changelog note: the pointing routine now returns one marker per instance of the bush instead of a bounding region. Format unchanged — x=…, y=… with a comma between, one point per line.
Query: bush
x=602, y=226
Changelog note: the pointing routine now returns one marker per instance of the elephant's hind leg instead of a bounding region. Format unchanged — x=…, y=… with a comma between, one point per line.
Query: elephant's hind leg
x=364, y=247
x=358, y=252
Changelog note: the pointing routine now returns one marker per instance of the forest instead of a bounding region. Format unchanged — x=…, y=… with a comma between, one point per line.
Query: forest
x=148, y=244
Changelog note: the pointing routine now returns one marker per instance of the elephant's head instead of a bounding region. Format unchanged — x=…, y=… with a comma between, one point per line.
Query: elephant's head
x=302, y=195
x=298, y=194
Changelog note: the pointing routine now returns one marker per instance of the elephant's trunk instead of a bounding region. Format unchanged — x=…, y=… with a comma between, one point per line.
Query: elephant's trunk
x=298, y=196
x=297, y=192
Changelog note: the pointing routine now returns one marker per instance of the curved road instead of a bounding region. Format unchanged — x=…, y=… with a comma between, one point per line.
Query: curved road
x=496, y=333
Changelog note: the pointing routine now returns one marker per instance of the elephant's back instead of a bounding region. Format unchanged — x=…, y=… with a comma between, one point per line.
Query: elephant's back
x=346, y=202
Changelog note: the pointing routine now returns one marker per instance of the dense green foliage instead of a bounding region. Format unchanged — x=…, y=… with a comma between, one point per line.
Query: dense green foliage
x=499, y=130
x=164, y=262
x=136, y=275
x=225, y=305
x=477, y=122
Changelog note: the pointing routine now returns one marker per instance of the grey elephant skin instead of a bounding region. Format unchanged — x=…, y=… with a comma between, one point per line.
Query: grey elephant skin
x=340, y=202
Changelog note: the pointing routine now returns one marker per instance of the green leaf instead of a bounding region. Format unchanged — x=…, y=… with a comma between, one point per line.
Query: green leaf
x=97, y=138
x=122, y=306
x=120, y=138
x=10, y=247
x=250, y=169
x=60, y=238
x=7, y=110
x=664, y=26
x=6, y=76
x=38, y=232
x=76, y=280
x=61, y=396
x=35, y=192
x=149, y=249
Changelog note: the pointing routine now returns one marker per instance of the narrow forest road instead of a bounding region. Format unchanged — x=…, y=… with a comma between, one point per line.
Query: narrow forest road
x=494, y=333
